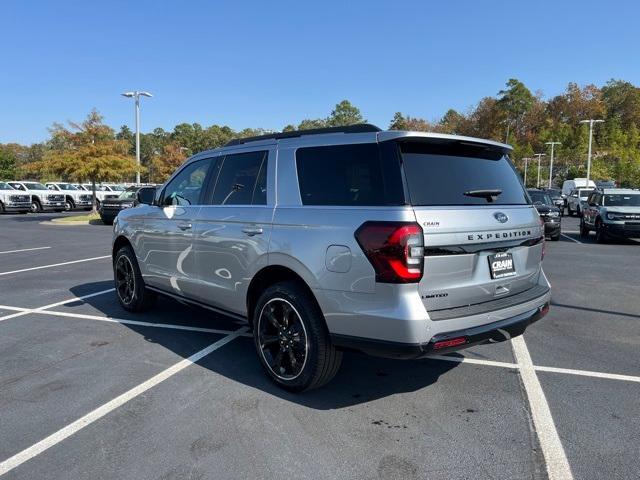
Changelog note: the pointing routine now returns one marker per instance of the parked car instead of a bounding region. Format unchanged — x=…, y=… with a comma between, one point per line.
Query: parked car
x=398, y=244
x=102, y=192
x=556, y=197
x=42, y=199
x=12, y=200
x=111, y=207
x=577, y=201
x=74, y=197
x=612, y=212
x=569, y=185
x=549, y=213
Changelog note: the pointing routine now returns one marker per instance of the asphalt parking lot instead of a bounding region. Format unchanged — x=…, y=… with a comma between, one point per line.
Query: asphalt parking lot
x=88, y=390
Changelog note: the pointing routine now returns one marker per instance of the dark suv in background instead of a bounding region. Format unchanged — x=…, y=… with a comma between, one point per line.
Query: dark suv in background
x=549, y=213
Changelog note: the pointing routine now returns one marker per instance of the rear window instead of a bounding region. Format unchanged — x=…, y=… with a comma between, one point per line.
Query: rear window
x=453, y=173
x=348, y=175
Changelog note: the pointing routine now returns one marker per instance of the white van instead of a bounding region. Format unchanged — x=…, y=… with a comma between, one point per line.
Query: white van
x=570, y=185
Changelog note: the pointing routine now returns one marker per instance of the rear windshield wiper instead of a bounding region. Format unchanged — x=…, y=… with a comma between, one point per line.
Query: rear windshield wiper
x=489, y=194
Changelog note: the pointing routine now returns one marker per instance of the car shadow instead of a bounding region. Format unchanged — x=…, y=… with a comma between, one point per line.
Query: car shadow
x=360, y=379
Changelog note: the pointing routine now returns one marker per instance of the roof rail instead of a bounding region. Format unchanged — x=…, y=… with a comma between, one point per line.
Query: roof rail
x=359, y=128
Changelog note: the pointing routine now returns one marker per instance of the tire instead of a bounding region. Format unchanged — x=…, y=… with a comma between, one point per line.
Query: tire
x=584, y=230
x=578, y=213
x=1, y=207
x=292, y=340
x=555, y=237
x=35, y=206
x=569, y=212
x=107, y=221
x=68, y=205
x=601, y=235
x=130, y=288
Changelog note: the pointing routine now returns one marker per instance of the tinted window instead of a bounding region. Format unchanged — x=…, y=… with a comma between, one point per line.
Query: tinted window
x=241, y=180
x=460, y=174
x=539, y=198
x=186, y=187
x=348, y=175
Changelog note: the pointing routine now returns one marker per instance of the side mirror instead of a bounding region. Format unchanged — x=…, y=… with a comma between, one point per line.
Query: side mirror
x=146, y=195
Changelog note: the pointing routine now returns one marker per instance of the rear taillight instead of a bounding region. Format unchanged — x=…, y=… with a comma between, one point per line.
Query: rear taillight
x=395, y=250
x=543, y=239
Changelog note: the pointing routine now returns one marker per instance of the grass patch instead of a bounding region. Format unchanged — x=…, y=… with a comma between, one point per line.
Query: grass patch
x=89, y=217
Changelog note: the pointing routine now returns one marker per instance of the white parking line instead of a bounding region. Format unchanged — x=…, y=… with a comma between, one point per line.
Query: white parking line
x=572, y=239
x=98, y=413
x=122, y=321
x=55, y=265
x=25, y=250
x=57, y=304
x=587, y=373
x=552, y=449
x=475, y=361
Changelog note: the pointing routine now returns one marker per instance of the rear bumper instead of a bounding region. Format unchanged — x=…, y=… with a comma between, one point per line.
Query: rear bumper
x=494, y=332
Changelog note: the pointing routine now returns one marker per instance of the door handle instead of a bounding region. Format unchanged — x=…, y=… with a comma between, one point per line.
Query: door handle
x=251, y=231
x=184, y=226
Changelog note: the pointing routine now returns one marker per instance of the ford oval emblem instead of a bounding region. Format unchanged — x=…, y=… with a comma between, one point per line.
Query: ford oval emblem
x=501, y=217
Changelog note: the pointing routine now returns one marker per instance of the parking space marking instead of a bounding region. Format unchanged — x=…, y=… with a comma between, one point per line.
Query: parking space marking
x=123, y=321
x=588, y=373
x=25, y=250
x=552, y=449
x=57, y=304
x=475, y=361
x=57, y=437
x=55, y=265
x=572, y=239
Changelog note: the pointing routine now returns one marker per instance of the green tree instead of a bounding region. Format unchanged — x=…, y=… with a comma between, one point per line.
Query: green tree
x=344, y=114
x=515, y=101
x=7, y=163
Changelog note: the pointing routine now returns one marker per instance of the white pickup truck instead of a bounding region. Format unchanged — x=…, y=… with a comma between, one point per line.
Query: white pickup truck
x=73, y=196
x=42, y=199
x=102, y=191
x=11, y=200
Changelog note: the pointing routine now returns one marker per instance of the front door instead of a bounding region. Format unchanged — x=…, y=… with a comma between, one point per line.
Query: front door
x=166, y=244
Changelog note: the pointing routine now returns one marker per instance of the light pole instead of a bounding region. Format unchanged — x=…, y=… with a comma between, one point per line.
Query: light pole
x=551, y=164
x=539, y=155
x=137, y=96
x=526, y=164
x=591, y=121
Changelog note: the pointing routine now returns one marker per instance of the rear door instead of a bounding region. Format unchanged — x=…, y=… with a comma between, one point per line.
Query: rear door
x=165, y=244
x=482, y=237
x=233, y=228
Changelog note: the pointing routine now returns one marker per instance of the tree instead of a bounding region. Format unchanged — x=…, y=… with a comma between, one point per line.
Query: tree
x=7, y=163
x=86, y=151
x=164, y=163
x=515, y=101
x=311, y=124
x=400, y=122
x=344, y=114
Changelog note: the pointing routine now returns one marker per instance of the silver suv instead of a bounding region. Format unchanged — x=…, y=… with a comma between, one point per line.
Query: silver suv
x=612, y=212
x=397, y=244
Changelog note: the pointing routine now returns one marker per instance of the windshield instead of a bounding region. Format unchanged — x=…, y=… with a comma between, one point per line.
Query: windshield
x=66, y=186
x=622, y=200
x=128, y=195
x=5, y=186
x=554, y=193
x=584, y=193
x=35, y=186
x=460, y=174
x=540, y=198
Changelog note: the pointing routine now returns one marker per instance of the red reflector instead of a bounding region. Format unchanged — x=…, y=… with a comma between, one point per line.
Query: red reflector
x=449, y=343
x=544, y=309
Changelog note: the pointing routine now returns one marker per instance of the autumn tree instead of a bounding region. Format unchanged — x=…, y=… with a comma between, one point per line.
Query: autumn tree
x=86, y=151
x=164, y=163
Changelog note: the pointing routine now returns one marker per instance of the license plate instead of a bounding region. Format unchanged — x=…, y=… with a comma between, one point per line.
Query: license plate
x=501, y=265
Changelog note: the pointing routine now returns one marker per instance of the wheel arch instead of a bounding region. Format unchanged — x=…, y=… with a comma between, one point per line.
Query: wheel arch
x=268, y=276
x=119, y=242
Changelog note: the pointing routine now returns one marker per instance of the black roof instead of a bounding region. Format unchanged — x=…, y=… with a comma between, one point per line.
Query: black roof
x=359, y=128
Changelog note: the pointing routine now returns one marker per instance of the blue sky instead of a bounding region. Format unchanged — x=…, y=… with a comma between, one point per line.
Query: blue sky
x=267, y=64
